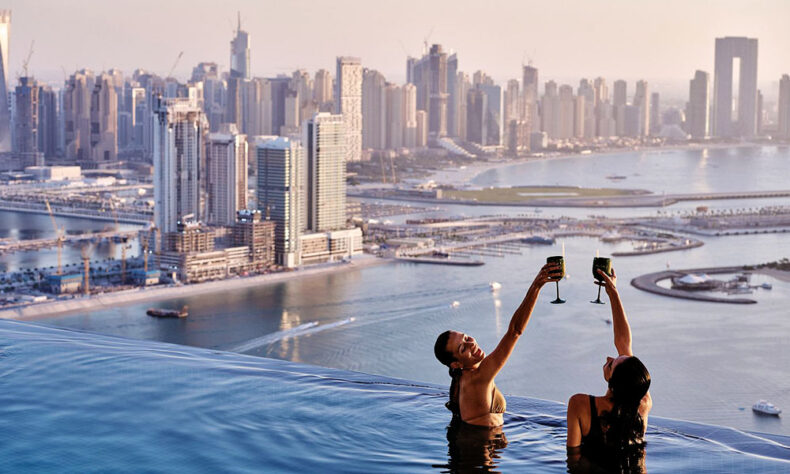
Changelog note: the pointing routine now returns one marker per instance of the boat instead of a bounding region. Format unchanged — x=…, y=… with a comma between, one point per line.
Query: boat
x=766, y=408
x=766, y=286
x=537, y=239
x=495, y=285
x=168, y=313
x=616, y=177
x=455, y=304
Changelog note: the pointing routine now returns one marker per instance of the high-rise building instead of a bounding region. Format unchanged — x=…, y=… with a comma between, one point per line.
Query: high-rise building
x=550, y=111
x=394, y=120
x=421, y=130
x=5, y=118
x=619, y=101
x=26, y=118
x=104, y=121
x=462, y=86
x=278, y=89
x=374, y=110
x=585, y=109
x=281, y=196
x=641, y=98
x=605, y=124
x=240, y=53
x=437, y=93
x=452, y=95
x=49, y=126
x=567, y=109
x=529, y=86
x=348, y=103
x=325, y=144
x=226, y=175
x=698, y=108
x=409, y=115
x=495, y=133
x=476, y=116
x=178, y=151
x=745, y=122
x=655, y=114
x=77, y=114
x=322, y=87
x=784, y=106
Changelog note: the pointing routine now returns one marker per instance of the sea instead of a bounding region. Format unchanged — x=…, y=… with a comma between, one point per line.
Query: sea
x=709, y=362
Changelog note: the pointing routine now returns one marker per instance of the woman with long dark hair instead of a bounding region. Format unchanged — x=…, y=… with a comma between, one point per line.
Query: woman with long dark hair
x=613, y=425
x=474, y=398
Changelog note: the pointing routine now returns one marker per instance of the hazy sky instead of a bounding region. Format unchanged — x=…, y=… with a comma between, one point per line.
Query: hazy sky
x=664, y=39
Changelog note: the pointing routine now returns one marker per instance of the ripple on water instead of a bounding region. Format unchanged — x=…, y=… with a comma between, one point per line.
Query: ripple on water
x=80, y=402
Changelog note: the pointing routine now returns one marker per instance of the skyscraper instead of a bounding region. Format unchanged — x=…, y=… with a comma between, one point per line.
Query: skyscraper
x=550, y=110
x=322, y=87
x=529, y=86
x=325, y=144
x=348, y=103
x=619, y=101
x=452, y=95
x=77, y=114
x=104, y=121
x=374, y=110
x=178, y=153
x=26, y=123
x=395, y=113
x=240, y=53
x=655, y=114
x=784, y=106
x=476, y=116
x=280, y=194
x=409, y=115
x=5, y=118
x=226, y=175
x=437, y=93
x=641, y=98
x=745, y=122
x=698, y=108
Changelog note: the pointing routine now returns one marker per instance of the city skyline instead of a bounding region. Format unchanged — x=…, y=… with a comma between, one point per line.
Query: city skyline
x=677, y=44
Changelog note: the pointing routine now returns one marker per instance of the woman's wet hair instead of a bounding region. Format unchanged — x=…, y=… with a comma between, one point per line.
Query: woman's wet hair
x=446, y=357
x=440, y=349
x=623, y=426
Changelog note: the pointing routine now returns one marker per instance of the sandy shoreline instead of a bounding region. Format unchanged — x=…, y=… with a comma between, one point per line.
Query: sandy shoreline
x=127, y=297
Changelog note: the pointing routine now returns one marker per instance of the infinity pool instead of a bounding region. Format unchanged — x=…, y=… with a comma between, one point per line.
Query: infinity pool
x=79, y=402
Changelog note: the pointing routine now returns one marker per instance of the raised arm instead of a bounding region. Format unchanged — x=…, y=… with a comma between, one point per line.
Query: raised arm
x=492, y=364
x=622, y=330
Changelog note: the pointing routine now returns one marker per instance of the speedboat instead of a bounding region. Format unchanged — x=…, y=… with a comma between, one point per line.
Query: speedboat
x=766, y=408
x=495, y=285
x=455, y=304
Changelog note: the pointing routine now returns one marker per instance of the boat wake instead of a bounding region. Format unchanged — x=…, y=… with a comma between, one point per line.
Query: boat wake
x=301, y=330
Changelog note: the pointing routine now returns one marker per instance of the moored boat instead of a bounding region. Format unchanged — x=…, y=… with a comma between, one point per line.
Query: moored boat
x=168, y=313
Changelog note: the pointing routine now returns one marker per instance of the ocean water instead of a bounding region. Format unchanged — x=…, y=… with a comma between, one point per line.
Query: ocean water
x=709, y=362
x=77, y=402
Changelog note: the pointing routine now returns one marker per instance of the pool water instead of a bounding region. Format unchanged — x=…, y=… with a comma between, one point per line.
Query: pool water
x=73, y=401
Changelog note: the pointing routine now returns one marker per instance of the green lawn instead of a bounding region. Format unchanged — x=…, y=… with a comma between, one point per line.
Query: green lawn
x=529, y=193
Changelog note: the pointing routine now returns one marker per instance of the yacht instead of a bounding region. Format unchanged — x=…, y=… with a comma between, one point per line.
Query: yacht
x=766, y=408
x=495, y=285
x=455, y=304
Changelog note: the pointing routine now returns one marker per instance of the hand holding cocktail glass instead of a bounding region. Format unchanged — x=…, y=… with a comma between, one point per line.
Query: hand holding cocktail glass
x=557, y=274
x=604, y=275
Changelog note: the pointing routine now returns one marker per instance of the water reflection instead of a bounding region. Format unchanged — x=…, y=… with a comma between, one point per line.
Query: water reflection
x=631, y=462
x=473, y=448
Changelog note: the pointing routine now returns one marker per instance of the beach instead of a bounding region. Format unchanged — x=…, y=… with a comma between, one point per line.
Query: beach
x=78, y=304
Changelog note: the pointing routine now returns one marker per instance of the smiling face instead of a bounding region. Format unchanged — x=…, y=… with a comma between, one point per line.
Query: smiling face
x=465, y=350
x=610, y=364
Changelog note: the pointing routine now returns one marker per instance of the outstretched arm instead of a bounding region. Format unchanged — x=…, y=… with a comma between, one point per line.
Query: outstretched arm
x=622, y=330
x=492, y=364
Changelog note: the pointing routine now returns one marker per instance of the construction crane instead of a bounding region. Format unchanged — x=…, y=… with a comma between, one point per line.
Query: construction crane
x=27, y=59
x=425, y=41
x=86, y=261
x=169, y=74
x=58, y=236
